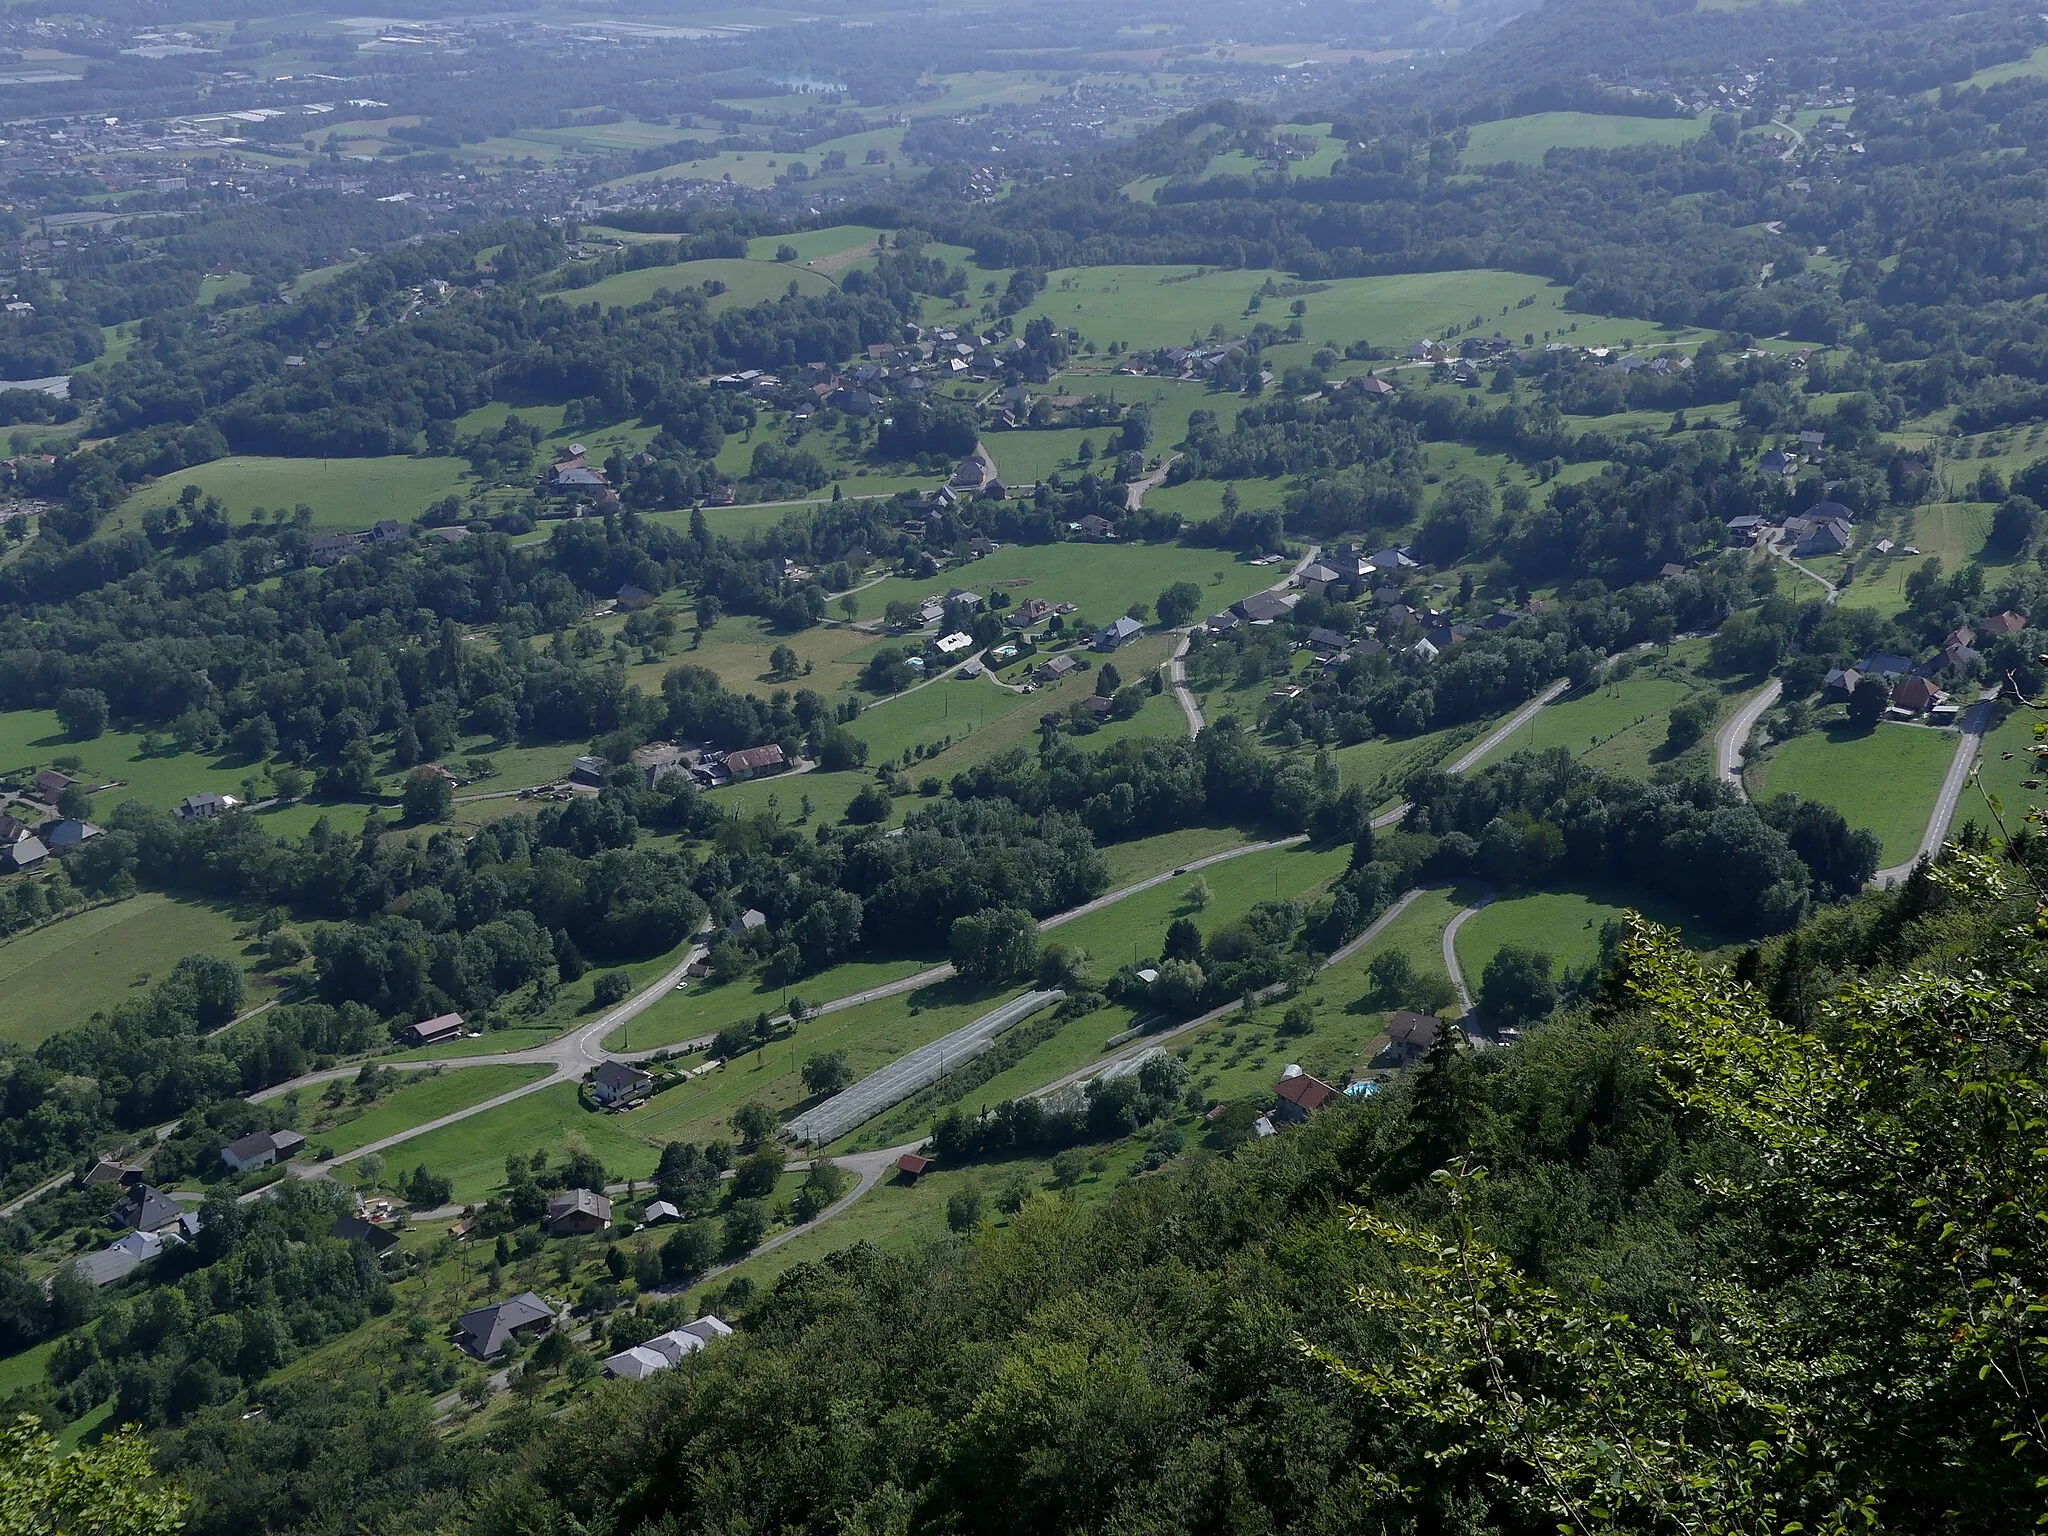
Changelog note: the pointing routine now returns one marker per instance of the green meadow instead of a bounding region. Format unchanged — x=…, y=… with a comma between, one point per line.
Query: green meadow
x=343, y=493
x=1525, y=140
x=1882, y=781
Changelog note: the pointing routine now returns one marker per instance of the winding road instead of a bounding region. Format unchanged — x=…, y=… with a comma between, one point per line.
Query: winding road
x=1734, y=736
x=1974, y=722
x=1456, y=971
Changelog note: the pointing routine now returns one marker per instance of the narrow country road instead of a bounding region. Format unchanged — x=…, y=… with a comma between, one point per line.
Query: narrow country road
x=1734, y=736
x=1500, y=733
x=1457, y=972
x=1975, y=721
x=1177, y=680
x=1134, y=493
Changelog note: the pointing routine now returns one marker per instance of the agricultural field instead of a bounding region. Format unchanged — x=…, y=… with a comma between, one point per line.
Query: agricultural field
x=1525, y=140
x=343, y=493
x=2006, y=777
x=737, y=649
x=1385, y=761
x=746, y=282
x=819, y=245
x=1883, y=781
x=58, y=976
x=1620, y=727
x=1953, y=532
x=947, y=711
x=1200, y=500
x=32, y=738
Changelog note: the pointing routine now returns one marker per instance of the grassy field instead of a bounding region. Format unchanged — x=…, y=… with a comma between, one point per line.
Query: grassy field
x=472, y=1152
x=1884, y=781
x=746, y=282
x=419, y=1098
x=343, y=493
x=2007, y=777
x=57, y=977
x=1101, y=580
x=1952, y=532
x=2033, y=67
x=945, y=711
x=737, y=649
x=1385, y=761
x=1525, y=140
x=706, y=1007
x=1149, y=307
x=1562, y=924
x=816, y=244
x=1625, y=722
x=1131, y=931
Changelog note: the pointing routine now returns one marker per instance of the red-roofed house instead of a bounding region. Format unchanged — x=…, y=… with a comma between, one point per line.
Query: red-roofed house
x=1300, y=1096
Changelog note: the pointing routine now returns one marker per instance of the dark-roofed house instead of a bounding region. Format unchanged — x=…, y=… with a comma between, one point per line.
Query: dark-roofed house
x=260, y=1149
x=145, y=1208
x=666, y=1349
x=1264, y=607
x=1053, y=669
x=591, y=771
x=1326, y=642
x=613, y=1082
x=205, y=806
x=20, y=857
x=1300, y=1095
x=61, y=836
x=1114, y=637
x=1839, y=684
x=12, y=830
x=50, y=783
x=1410, y=1035
x=120, y=1258
x=578, y=1212
x=486, y=1331
x=1882, y=664
x=632, y=595
x=1096, y=527
x=106, y=1171
x=380, y=1240
x=2006, y=623
x=443, y=1026
x=746, y=923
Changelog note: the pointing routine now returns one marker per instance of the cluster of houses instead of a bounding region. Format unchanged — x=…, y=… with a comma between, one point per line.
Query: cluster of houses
x=1826, y=528
x=1298, y=1094
x=25, y=849
x=332, y=548
x=1913, y=688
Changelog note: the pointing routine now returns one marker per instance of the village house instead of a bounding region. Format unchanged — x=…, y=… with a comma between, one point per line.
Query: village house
x=613, y=1082
x=145, y=1208
x=1054, y=669
x=1299, y=1095
x=666, y=1349
x=746, y=923
x=206, y=806
x=260, y=1149
x=485, y=1332
x=753, y=762
x=578, y=1213
x=354, y=1229
x=1114, y=637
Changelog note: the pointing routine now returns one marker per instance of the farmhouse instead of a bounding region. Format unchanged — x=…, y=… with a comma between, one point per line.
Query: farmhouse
x=260, y=1149
x=1054, y=669
x=486, y=1331
x=1410, y=1035
x=1096, y=527
x=444, y=1026
x=120, y=1258
x=1916, y=695
x=613, y=1082
x=380, y=1240
x=1265, y=607
x=578, y=1212
x=753, y=762
x=589, y=771
x=206, y=806
x=20, y=857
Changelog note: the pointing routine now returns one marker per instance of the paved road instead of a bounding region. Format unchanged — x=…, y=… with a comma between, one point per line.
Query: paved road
x=1734, y=736
x=1177, y=680
x=1975, y=721
x=1134, y=493
x=1457, y=972
x=1500, y=733
x=1777, y=548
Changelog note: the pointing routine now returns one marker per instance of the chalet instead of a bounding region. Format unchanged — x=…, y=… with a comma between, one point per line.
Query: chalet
x=971, y=474
x=1879, y=664
x=1096, y=527
x=1327, y=642
x=1962, y=634
x=1376, y=387
x=1319, y=578
x=666, y=1349
x=1778, y=462
x=1114, y=637
x=12, y=830
x=753, y=762
x=445, y=1026
x=613, y=1082
x=145, y=1208
x=1961, y=657
x=578, y=1213
x=1224, y=623
x=961, y=597
x=486, y=1331
x=659, y=1212
x=1298, y=1095
x=260, y=1149
x=106, y=1171
x=1393, y=560
x=1028, y=612
x=1829, y=537
x=1054, y=669
x=389, y=530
